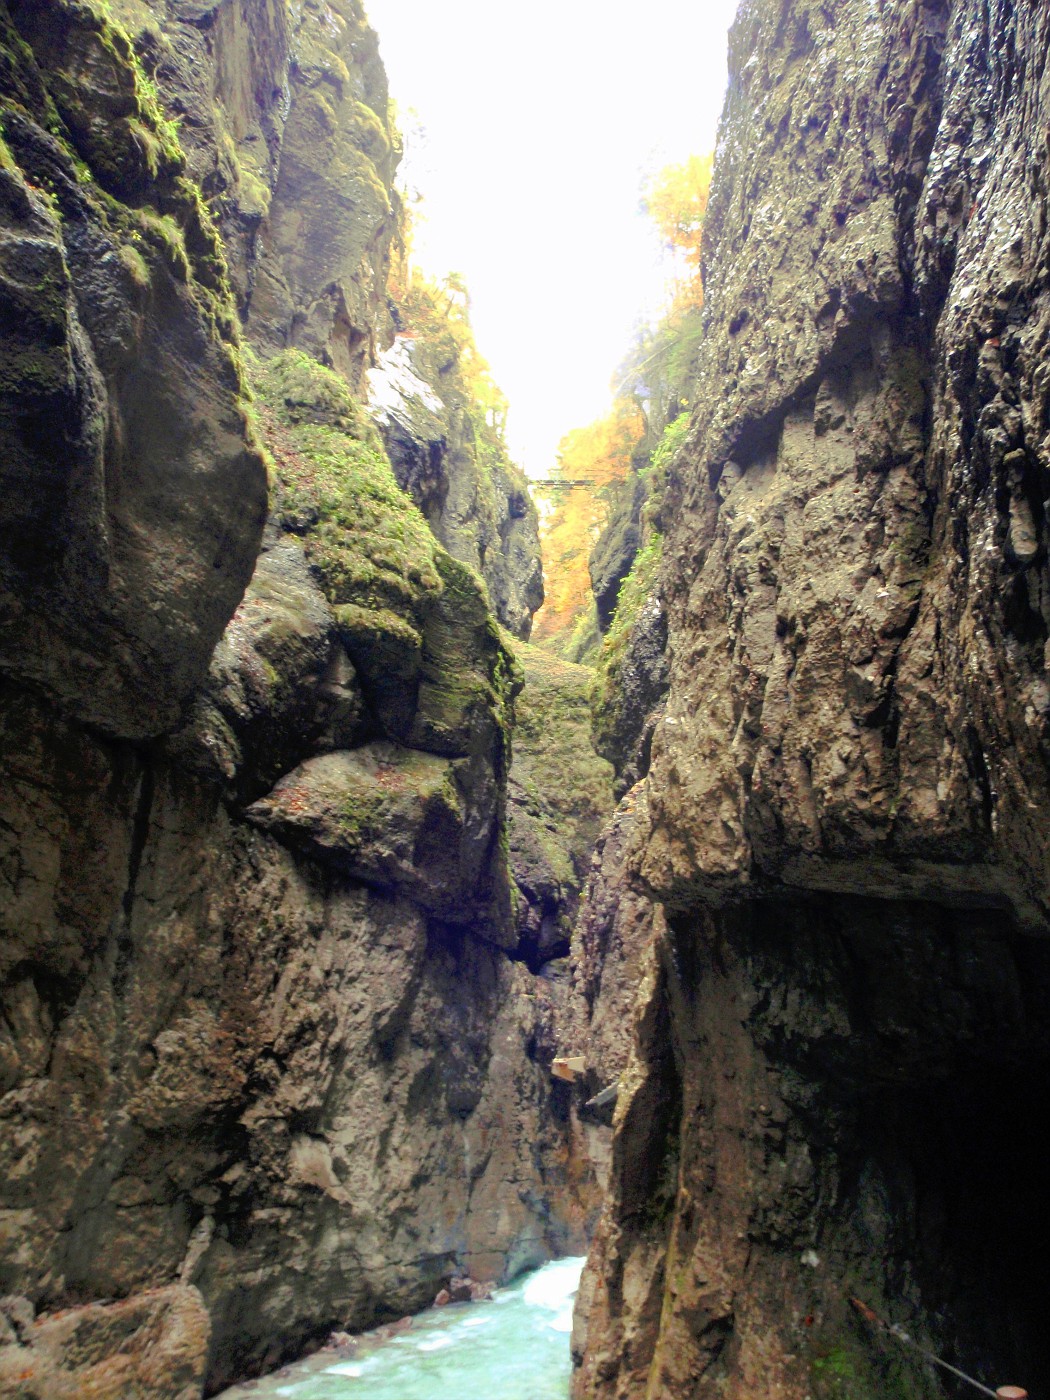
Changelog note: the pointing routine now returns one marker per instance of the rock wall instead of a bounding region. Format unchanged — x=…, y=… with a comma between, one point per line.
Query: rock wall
x=843, y=1013
x=266, y=1033
x=116, y=317
x=616, y=547
x=560, y=796
x=283, y=113
x=475, y=499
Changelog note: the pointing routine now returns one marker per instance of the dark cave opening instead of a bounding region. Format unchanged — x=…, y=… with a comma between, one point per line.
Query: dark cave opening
x=913, y=1041
x=955, y=1169
x=982, y=1224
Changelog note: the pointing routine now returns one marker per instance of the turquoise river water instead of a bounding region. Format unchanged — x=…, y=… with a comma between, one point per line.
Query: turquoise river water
x=513, y=1347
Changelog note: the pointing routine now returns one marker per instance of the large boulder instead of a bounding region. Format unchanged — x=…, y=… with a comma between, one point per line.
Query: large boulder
x=393, y=817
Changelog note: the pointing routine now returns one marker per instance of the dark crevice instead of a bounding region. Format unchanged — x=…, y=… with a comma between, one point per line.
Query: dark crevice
x=139, y=837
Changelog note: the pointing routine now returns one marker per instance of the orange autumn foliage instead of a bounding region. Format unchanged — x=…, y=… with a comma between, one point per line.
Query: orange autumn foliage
x=654, y=387
x=592, y=461
x=676, y=203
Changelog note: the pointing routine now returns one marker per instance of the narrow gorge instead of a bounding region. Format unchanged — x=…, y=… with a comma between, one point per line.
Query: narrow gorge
x=331, y=903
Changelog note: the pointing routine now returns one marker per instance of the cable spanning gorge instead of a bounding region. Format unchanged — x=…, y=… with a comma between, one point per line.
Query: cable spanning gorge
x=356, y=939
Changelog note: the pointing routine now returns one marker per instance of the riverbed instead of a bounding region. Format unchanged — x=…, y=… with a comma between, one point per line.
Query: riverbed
x=514, y=1346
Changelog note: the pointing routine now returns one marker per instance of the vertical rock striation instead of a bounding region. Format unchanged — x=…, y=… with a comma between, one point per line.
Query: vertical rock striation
x=843, y=1023
x=266, y=1038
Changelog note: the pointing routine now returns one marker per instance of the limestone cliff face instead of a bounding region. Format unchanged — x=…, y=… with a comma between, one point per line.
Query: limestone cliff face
x=116, y=319
x=476, y=500
x=846, y=848
x=282, y=110
x=265, y=1035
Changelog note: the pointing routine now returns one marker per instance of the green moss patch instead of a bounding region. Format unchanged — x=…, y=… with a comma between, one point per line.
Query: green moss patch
x=636, y=589
x=415, y=621
x=561, y=789
x=842, y=1367
x=370, y=547
x=468, y=677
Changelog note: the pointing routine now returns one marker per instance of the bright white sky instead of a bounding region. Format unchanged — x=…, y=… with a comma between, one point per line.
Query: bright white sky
x=541, y=123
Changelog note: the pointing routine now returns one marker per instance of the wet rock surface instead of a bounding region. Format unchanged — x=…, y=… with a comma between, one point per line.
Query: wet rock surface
x=844, y=999
x=261, y=1042
x=115, y=315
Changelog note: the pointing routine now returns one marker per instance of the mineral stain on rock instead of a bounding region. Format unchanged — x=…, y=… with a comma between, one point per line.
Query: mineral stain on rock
x=309, y=869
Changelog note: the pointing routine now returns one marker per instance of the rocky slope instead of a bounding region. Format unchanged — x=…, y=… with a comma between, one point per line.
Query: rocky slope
x=267, y=1039
x=837, y=887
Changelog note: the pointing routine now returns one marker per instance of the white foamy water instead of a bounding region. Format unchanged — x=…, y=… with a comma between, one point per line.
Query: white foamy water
x=513, y=1347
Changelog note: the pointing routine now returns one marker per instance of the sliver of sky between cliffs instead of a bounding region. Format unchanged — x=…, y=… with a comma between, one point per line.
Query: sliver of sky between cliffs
x=531, y=130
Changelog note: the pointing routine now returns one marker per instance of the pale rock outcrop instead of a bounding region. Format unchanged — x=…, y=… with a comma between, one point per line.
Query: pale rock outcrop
x=151, y=1347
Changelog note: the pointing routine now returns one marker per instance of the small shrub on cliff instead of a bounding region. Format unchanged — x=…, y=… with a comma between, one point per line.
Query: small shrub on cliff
x=636, y=589
x=655, y=474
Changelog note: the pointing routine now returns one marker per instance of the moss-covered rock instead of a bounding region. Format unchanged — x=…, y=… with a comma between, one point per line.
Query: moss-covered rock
x=119, y=537
x=280, y=686
x=416, y=622
x=369, y=547
x=391, y=816
x=560, y=796
x=435, y=675
x=468, y=676
x=104, y=99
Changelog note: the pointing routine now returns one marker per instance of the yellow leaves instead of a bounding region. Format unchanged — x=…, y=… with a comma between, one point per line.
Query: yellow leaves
x=676, y=200
x=659, y=370
x=437, y=313
x=592, y=462
x=601, y=452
